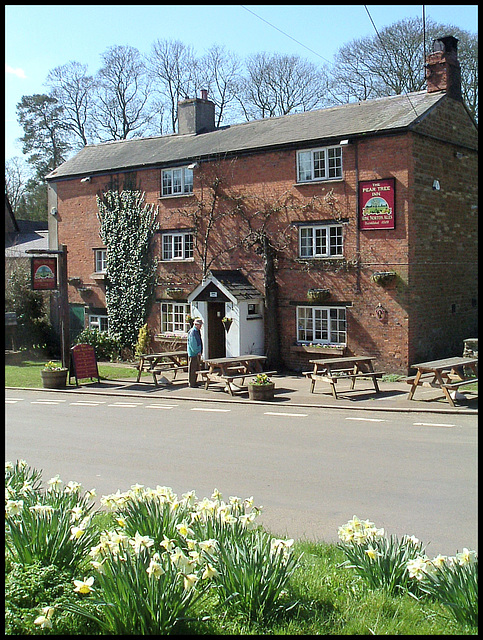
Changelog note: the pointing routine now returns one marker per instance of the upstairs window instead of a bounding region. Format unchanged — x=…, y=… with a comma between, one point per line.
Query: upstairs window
x=177, y=246
x=100, y=259
x=321, y=325
x=321, y=241
x=319, y=164
x=177, y=181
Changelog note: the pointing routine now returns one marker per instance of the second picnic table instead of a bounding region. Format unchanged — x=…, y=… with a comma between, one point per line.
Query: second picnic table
x=351, y=367
x=232, y=368
x=160, y=363
x=447, y=374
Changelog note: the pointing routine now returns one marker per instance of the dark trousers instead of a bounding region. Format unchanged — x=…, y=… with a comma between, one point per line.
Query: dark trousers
x=194, y=363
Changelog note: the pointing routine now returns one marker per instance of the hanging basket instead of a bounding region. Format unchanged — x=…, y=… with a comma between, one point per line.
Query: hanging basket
x=175, y=292
x=383, y=277
x=227, y=322
x=318, y=295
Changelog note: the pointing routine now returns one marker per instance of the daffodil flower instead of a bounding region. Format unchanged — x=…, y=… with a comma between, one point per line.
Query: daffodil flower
x=373, y=553
x=208, y=546
x=155, y=569
x=14, y=507
x=439, y=561
x=76, y=514
x=84, y=586
x=184, y=530
x=189, y=581
x=209, y=572
x=55, y=483
x=417, y=567
x=140, y=542
x=466, y=557
x=76, y=533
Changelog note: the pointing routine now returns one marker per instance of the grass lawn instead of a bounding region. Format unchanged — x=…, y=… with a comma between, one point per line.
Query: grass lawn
x=27, y=374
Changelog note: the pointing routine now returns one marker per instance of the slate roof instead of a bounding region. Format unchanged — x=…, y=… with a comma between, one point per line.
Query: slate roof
x=382, y=115
x=236, y=283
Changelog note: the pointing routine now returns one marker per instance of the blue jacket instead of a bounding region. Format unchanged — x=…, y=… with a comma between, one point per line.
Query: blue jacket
x=195, y=343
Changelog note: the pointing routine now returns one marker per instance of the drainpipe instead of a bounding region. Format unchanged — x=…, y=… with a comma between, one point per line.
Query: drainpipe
x=358, y=233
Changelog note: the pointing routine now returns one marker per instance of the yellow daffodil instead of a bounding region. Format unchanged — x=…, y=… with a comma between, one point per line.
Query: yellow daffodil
x=372, y=553
x=84, y=586
x=76, y=533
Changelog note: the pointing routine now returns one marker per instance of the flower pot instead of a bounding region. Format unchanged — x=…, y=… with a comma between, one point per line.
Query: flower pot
x=55, y=379
x=261, y=391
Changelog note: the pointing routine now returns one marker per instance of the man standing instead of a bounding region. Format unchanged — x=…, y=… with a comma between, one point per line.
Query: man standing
x=195, y=347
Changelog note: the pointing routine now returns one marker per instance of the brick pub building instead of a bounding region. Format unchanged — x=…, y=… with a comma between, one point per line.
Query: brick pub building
x=370, y=210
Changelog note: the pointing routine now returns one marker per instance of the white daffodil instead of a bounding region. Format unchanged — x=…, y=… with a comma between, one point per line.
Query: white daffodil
x=140, y=542
x=439, y=561
x=209, y=572
x=189, y=581
x=76, y=514
x=155, y=569
x=55, y=483
x=466, y=557
x=84, y=586
x=372, y=553
x=208, y=546
x=76, y=533
x=167, y=544
x=13, y=507
x=184, y=530
x=417, y=567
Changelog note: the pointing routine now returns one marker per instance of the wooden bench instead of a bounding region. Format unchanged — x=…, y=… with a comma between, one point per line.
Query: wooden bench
x=425, y=378
x=333, y=377
x=158, y=371
x=455, y=385
x=228, y=378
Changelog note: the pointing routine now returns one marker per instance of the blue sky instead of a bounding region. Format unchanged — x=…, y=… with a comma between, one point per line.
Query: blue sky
x=39, y=38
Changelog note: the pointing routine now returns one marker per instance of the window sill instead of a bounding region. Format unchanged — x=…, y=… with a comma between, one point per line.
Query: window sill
x=325, y=180
x=176, y=195
x=322, y=350
x=98, y=276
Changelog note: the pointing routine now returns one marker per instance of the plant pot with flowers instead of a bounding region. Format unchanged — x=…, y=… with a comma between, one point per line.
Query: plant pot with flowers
x=261, y=388
x=227, y=322
x=54, y=376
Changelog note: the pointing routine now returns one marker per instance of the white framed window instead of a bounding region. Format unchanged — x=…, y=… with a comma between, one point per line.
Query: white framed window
x=177, y=246
x=98, y=322
x=100, y=260
x=177, y=181
x=321, y=325
x=321, y=241
x=319, y=164
x=173, y=317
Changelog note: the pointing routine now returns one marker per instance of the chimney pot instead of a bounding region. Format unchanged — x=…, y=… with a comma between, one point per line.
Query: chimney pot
x=204, y=94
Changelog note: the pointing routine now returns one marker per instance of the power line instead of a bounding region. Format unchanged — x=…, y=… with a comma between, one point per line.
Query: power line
x=388, y=56
x=285, y=34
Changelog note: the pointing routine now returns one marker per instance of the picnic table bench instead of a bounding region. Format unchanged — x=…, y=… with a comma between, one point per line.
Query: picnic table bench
x=160, y=363
x=446, y=374
x=233, y=368
x=331, y=370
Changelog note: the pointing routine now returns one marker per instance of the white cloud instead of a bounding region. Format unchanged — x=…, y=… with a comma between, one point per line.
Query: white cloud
x=20, y=73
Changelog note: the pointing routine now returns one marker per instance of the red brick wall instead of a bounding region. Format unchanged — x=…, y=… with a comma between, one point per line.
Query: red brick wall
x=435, y=233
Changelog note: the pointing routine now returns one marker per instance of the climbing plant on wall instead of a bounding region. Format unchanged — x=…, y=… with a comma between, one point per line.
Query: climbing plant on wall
x=127, y=228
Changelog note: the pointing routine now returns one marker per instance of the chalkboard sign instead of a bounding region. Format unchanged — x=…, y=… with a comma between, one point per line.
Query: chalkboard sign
x=83, y=363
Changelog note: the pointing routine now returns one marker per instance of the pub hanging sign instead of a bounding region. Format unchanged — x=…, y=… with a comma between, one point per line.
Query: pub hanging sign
x=43, y=273
x=376, y=204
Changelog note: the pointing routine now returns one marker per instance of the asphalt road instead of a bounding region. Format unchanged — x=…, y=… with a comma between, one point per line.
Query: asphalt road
x=312, y=469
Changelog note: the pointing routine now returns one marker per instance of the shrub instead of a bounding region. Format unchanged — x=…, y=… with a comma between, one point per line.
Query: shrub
x=107, y=346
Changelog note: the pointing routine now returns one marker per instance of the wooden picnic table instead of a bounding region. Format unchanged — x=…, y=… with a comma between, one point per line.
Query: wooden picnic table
x=447, y=374
x=232, y=368
x=332, y=370
x=160, y=363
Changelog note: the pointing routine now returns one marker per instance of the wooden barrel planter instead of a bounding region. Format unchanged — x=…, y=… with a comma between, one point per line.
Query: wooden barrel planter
x=55, y=379
x=261, y=391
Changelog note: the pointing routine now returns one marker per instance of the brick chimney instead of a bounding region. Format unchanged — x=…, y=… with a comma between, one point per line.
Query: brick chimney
x=196, y=115
x=443, y=71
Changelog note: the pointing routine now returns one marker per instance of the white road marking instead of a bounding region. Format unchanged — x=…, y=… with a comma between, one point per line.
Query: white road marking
x=47, y=401
x=87, y=403
x=130, y=405
x=13, y=400
x=202, y=409
x=432, y=424
x=277, y=413
x=161, y=406
x=367, y=419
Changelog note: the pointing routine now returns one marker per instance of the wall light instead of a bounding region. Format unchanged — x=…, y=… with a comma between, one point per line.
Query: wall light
x=193, y=165
x=343, y=143
x=86, y=179
x=436, y=185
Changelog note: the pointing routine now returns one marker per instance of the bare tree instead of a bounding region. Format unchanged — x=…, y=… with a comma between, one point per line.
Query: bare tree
x=15, y=180
x=391, y=62
x=123, y=91
x=278, y=84
x=220, y=75
x=73, y=88
x=173, y=70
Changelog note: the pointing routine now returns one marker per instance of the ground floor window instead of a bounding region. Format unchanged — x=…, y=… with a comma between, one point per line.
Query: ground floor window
x=173, y=317
x=98, y=322
x=321, y=325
